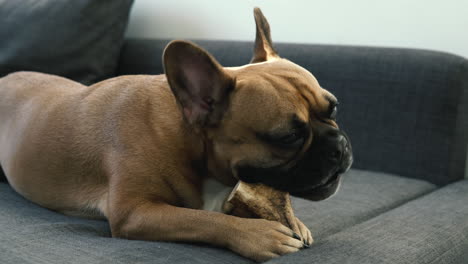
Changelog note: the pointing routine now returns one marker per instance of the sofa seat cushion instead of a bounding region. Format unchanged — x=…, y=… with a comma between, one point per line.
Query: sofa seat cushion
x=430, y=229
x=362, y=195
x=31, y=234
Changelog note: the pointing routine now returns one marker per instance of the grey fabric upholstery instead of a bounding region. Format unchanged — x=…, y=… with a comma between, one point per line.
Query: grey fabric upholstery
x=406, y=111
x=362, y=195
x=430, y=229
x=31, y=234
x=80, y=40
x=37, y=235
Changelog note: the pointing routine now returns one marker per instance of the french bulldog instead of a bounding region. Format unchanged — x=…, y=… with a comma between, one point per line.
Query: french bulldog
x=136, y=150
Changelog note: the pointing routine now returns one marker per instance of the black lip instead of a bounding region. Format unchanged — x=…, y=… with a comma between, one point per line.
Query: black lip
x=331, y=180
x=281, y=179
x=318, y=188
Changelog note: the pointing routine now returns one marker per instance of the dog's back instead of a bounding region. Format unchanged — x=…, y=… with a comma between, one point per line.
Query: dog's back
x=26, y=97
x=27, y=100
x=55, y=133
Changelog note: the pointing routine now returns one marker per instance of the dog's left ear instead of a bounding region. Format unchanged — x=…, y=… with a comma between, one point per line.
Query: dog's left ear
x=198, y=81
x=263, y=49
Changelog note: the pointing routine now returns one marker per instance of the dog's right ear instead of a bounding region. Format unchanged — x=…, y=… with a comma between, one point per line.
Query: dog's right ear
x=198, y=81
x=263, y=49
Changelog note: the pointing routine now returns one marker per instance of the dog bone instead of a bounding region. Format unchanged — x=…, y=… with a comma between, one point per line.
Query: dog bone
x=260, y=201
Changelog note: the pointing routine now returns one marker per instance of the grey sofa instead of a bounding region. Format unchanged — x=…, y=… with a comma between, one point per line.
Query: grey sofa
x=404, y=201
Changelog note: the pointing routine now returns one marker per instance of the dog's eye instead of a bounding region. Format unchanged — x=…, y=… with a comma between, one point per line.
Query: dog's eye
x=294, y=139
x=291, y=139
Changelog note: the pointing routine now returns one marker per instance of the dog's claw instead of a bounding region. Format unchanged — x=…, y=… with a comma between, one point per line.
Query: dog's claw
x=296, y=236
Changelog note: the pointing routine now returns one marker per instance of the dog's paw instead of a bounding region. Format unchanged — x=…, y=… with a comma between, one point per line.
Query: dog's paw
x=261, y=240
x=305, y=233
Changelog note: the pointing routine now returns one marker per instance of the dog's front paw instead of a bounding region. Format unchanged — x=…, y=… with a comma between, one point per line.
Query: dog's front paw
x=304, y=232
x=261, y=240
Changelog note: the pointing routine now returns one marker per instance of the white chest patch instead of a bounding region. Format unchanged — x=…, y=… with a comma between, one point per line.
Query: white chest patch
x=214, y=195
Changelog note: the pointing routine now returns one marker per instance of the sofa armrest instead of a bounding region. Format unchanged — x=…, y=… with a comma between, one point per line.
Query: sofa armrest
x=405, y=110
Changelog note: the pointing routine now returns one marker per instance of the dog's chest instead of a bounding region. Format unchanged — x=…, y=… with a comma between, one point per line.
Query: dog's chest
x=214, y=195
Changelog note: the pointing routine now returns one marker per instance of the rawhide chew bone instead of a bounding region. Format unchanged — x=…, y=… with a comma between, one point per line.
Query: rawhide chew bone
x=261, y=201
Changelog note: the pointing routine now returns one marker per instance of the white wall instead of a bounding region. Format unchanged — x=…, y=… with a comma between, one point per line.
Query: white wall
x=429, y=24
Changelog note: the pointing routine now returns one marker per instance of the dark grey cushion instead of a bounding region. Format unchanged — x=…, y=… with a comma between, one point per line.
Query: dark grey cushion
x=362, y=195
x=80, y=40
x=405, y=110
x=31, y=234
x=430, y=229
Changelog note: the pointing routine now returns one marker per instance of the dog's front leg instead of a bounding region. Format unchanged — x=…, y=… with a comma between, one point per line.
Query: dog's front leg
x=257, y=239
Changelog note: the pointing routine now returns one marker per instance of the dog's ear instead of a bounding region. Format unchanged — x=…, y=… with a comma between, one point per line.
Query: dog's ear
x=198, y=81
x=263, y=49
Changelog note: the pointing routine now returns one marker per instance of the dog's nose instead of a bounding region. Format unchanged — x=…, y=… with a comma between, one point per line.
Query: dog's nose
x=337, y=146
x=333, y=148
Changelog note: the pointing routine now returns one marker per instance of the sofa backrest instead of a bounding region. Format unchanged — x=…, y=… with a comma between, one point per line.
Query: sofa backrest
x=405, y=110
